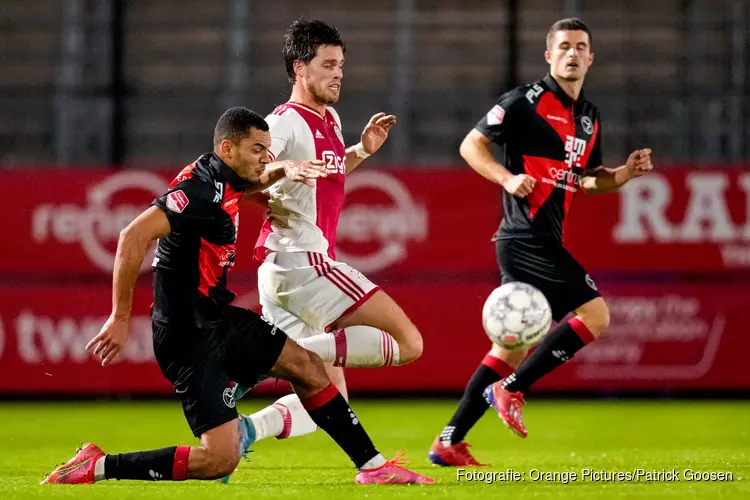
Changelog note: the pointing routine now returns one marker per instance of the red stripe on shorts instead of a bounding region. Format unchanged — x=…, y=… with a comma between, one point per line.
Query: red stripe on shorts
x=310, y=258
x=351, y=281
x=341, y=287
x=354, y=290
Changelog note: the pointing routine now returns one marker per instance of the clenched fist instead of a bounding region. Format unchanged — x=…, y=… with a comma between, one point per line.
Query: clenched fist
x=520, y=185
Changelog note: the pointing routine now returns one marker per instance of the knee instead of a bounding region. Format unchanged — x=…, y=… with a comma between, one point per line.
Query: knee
x=597, y=320
x=222, y=463
x=411, y=349
x=310, y=374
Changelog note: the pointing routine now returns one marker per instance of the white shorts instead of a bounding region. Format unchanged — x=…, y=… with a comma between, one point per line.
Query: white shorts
x=303, y=293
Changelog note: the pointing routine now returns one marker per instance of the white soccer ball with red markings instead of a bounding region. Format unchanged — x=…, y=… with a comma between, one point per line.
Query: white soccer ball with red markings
x=516, y=316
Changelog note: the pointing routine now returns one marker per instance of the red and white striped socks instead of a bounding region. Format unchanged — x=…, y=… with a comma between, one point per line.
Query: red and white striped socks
x=355, y=347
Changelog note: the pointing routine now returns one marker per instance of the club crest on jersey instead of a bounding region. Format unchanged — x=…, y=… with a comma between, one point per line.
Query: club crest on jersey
x=177, y=201
x=587, y=125
x=495, y=116
x=338, y=132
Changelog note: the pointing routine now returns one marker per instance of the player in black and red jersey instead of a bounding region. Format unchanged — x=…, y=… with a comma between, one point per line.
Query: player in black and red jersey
x=200, y=341
x=552, y=138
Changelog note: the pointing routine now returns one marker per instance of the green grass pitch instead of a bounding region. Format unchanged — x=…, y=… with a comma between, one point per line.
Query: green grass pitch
x=565, y=436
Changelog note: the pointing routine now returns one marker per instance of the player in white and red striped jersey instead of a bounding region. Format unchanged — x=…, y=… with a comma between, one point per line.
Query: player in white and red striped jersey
x=325, y=305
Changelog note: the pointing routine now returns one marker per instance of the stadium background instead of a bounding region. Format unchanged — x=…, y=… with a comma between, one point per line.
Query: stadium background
x=102, y=102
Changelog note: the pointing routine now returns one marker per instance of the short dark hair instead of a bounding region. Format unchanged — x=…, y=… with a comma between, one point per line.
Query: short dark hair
x=235, y=125
x=569, y=24
x=302, y=40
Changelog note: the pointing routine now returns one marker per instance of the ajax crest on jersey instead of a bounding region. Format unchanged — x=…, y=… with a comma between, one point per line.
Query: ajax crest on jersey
x=516, y=316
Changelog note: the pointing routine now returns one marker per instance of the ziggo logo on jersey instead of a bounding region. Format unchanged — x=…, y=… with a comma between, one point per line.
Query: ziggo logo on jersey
x=334, y=163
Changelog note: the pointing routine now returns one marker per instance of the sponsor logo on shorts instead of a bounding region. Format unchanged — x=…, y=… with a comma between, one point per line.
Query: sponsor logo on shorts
x=590, y=282
x=229, y=398
x=273, y=326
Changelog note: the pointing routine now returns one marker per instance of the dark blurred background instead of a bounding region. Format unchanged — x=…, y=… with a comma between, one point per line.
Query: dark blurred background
x=140, y=83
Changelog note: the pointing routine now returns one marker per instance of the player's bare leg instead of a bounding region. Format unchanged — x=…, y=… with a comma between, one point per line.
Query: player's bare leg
x=382, y=312
x=450, y=449
x=558, y=346
x=377, y=333
x=511, y=358
x=595, y=315
x=336, y=374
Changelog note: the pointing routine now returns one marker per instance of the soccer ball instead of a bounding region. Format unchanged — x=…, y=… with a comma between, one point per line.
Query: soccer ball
x=516, y=316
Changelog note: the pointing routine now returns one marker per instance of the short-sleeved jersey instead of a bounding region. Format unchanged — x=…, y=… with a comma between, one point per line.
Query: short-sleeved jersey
x=303, y=218
x=192, y=261
x=552, y=138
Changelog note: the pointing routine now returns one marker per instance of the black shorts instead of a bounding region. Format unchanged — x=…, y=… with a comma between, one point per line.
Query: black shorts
x=201, y=360
x=551, y=269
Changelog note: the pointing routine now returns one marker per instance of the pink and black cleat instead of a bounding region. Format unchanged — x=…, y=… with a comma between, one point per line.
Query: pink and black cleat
x=79, y=469
x=454, y=455
x=508, y=406
x=392, y=472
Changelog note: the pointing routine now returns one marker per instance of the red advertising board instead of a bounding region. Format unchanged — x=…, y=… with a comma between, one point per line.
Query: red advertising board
x=66, y=223
x=662, y=337
x=424, y=236
x=43, y=332
x=402, y=223
x=665, y=336
x=691, y=220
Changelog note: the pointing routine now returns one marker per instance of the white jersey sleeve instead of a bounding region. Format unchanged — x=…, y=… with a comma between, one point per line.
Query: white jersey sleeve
x=282, y=135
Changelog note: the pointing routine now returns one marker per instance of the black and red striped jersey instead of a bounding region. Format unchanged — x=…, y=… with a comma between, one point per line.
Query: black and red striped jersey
x=192, y=262
x=552, y=138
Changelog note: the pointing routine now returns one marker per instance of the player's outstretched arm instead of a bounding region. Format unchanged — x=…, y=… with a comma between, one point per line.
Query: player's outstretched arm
x=605, y=180
x=373, y=137
x=131, y=250
x=297, y=171
x=475, y=149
